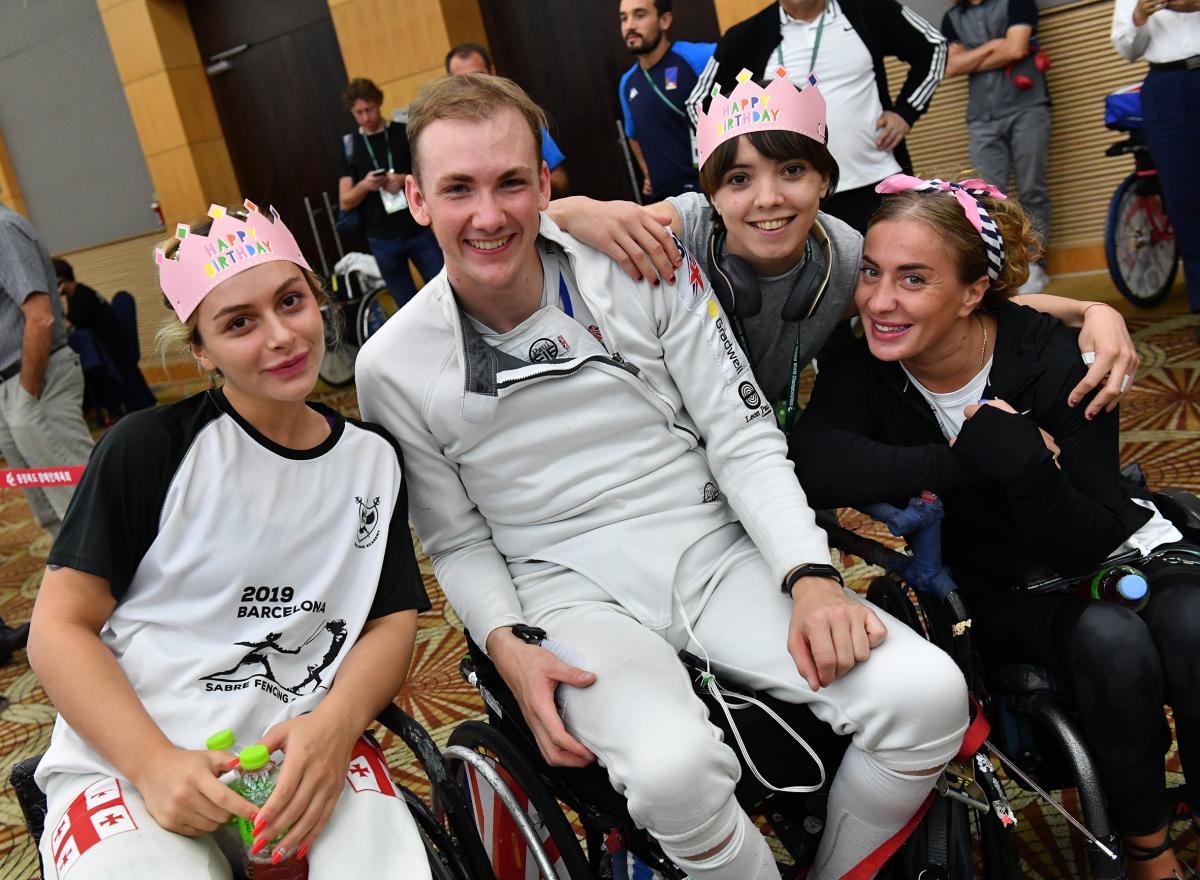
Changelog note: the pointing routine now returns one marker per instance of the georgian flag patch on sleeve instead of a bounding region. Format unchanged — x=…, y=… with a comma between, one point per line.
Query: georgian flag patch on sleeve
x=96, y=814
x=691, y=294
x=368, y=769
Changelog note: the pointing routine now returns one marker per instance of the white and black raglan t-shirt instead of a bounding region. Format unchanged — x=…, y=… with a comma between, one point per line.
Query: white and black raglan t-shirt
x=243, y=571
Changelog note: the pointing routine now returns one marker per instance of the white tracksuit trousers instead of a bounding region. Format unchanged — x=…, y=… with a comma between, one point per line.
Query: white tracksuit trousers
x=905, y=708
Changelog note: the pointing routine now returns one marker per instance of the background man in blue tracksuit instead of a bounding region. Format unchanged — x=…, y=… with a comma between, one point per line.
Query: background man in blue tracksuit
x=654, y=94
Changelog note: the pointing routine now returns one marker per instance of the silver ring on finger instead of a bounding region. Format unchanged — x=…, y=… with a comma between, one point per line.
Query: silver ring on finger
x=1089, y=357
x=1125, y=383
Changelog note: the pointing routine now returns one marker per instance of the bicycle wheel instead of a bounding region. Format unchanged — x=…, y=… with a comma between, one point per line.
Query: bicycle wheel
x=337, y=367
x=499, y=833
x=1139, y=244
x=376, y=307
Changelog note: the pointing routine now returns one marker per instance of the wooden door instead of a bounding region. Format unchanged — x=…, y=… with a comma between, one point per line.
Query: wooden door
x=279, y=101
x=569, y=56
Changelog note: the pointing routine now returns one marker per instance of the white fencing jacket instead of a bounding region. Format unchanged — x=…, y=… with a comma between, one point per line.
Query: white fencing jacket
x=611, y=464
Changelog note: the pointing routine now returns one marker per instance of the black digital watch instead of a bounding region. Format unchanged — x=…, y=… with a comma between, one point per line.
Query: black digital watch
x=812, y=569
x=530, y=635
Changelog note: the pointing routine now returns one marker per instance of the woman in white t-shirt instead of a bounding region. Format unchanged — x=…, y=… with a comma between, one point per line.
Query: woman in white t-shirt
x=959, y=391
x=238, y=560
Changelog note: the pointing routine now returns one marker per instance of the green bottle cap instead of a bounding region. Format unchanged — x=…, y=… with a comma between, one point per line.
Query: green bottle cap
x=254, y=757
x=220, y=741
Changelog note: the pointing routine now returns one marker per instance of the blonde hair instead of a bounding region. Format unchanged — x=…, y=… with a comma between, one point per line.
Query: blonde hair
x=474, y=96
x=942, y=212
x=173, y=334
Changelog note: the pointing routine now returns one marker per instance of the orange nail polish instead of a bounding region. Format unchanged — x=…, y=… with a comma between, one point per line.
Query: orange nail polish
x=259, y=825
x=302, y=852
x=258, y=846
x=277, y=856
x=254, y=817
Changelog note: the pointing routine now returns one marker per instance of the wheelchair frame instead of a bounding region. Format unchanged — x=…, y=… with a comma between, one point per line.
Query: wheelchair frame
x=797, y=831
x=916, y=581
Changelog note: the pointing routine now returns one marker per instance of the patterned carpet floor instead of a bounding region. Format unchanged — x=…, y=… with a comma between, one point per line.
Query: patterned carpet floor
x=1160, y=430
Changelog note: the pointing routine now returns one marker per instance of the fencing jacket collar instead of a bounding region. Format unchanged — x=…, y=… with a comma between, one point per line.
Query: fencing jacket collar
x=488, y=372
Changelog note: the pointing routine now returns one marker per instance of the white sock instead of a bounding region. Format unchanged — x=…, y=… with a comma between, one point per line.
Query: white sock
x=747, y=856
x=868, y=804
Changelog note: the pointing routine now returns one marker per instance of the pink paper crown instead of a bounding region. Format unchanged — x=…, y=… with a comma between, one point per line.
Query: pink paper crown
x=750, y=107
x=231, y=246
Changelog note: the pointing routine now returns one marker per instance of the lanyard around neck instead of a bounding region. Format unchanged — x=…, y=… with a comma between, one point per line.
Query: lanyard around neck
x=564, y=296
x=788, y=409
x=646, y=75
x=812, y=62
x=391, y=165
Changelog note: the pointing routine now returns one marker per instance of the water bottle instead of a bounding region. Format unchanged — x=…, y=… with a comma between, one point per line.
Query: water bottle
x=255, y=783
x=224, y=741
x=1122, y=584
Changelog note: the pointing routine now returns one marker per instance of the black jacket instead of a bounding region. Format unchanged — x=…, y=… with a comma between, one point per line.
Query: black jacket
x=886, y=27
x=868, y=435
x=86, y=310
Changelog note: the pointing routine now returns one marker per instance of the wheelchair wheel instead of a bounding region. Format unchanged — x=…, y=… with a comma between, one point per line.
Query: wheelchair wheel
x=439, y=867
x=374, y=310
x=445, y=861
x=500, y=835
x=337, y=368
x=1139, y=244
x=884, y=592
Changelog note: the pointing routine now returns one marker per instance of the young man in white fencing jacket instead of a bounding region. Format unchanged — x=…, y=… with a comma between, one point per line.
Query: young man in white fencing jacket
x=592, y=456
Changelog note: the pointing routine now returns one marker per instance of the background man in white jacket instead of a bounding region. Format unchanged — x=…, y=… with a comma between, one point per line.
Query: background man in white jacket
x=551, y=412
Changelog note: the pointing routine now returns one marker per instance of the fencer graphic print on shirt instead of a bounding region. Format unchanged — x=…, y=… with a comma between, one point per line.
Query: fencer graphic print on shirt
x=274, y=665
x=235, y=608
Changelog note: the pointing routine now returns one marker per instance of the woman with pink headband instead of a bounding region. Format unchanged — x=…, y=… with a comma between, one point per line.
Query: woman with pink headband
x=759, y=223
x=958, y=390
x=237, y=561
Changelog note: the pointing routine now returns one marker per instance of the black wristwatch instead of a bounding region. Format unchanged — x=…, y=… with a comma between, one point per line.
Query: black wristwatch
x=530, y=635
x=813, y=569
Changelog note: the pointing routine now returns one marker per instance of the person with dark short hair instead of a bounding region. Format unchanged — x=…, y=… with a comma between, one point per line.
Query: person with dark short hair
x=845, y=43
x=377, y=163
x=994, y=44
x=653, y=95
x=118, y=386
x=474, y=58
x=85, y=309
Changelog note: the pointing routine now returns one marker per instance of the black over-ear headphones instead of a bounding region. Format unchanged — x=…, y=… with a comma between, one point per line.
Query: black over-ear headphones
x=737, y=290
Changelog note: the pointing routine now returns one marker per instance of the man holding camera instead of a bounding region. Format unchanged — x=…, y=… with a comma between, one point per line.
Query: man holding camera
x=377, y=163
